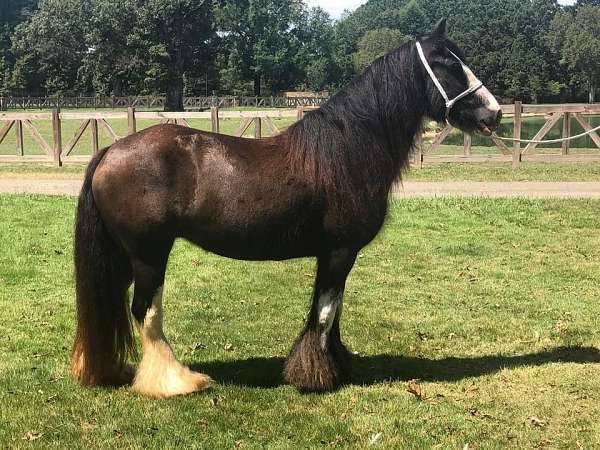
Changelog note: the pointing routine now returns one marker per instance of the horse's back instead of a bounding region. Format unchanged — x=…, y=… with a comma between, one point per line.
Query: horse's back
x=232, y=196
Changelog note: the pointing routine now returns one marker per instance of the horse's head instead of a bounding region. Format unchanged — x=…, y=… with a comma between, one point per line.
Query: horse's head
x=453, y=91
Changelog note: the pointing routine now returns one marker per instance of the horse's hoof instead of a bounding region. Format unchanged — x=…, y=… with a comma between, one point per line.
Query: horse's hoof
x=172, y=382
x=309, y=368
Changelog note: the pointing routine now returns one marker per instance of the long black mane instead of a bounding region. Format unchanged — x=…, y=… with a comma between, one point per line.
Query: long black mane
x=359, y=141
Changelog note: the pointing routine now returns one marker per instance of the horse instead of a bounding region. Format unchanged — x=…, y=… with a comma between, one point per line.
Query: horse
x=318, y=189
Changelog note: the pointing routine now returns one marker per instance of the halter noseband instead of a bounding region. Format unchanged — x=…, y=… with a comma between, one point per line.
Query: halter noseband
x=438, y=85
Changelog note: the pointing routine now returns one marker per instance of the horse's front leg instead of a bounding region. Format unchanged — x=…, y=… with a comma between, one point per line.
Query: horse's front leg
x=318, y=360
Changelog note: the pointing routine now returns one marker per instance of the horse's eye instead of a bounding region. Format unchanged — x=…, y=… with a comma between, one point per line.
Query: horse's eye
x=455, y=64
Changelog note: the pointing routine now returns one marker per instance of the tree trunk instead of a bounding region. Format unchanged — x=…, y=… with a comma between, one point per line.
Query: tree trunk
x=257, y=86
x=174, y=100
x=592, y=93
x=117, y=90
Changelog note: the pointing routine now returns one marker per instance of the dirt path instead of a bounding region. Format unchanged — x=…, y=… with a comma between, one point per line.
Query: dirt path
x=528, y=189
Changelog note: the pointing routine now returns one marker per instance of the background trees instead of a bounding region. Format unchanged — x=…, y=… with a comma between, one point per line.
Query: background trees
x=532, y=50
x=376, y=43
x=576, y=37
x=259, y=36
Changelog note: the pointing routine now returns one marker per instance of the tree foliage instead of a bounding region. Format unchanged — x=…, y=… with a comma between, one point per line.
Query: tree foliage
x=173, y=37
x=376, y=43
x=263, y=47
x=50, y=47
x=260, y=35
x=576, y=37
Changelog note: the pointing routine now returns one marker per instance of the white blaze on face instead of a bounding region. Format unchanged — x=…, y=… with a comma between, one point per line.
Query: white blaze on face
x=489, y=100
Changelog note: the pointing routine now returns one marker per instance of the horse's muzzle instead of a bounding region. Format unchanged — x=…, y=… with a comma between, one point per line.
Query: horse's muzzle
x=488, y=120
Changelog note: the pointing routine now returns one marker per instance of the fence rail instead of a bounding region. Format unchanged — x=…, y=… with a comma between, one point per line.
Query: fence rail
x=516, y=153
x=55, y=149
x=148, y=102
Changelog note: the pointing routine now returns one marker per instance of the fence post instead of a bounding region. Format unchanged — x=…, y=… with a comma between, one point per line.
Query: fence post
x=566, y=133
x=518, y=124
x=468, y=143
x=131, y=123
x=257, y=128
x=19, y=131
x=57, y=134
x=94, y=127
x=300, y=112
x=214, y=118
x=418, y=150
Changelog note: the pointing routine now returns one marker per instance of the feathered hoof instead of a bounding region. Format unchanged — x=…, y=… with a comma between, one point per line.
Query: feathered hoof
x=310, y=368
x=169, y=380
x=100, y=373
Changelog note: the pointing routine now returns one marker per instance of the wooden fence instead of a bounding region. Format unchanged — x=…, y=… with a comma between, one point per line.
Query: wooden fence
x=516, y=152
x=59, y=150
x=155, y=102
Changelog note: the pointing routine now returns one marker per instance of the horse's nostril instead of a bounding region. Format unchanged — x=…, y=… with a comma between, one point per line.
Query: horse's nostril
x=498, y=117
x=492, y=118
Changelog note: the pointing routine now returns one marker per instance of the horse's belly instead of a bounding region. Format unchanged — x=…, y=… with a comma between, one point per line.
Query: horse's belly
x=266, y=244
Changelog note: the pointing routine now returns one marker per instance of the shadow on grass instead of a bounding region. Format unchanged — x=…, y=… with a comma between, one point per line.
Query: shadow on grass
x=374, y=369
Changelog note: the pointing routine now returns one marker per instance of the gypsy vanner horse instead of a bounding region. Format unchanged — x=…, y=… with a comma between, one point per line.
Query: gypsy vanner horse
x=319, y=189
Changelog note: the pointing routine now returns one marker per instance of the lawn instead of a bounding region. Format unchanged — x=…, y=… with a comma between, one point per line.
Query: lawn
x=492, y=305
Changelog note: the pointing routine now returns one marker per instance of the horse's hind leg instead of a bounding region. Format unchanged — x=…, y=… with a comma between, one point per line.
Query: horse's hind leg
x=318, y=360
x=159, y=374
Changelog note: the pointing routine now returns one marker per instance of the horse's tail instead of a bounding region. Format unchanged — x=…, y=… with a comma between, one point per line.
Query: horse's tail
x=103, y=273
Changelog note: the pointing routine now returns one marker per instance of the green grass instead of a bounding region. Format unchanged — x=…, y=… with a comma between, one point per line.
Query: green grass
x=504, y=172
x=492, y=304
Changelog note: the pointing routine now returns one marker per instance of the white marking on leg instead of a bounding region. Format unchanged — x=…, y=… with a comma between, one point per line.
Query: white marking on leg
x=159, y=373
x=329, y=302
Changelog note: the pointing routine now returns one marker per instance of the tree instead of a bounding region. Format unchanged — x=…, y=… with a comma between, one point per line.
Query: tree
x=373, y=15
x=377, y=43
x=112, y=65
x=504, y=40
x=50, y=47
x=577, y=39
x=410, y=18
x=12, y=13
x=174, y=37
x=4, y=76
x=314, y=57
x=260, y=35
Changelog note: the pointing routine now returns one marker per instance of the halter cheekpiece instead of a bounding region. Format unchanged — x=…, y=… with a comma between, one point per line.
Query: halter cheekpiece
x=449, y=103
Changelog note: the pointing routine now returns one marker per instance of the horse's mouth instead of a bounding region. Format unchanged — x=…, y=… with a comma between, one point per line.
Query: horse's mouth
x=484, y=129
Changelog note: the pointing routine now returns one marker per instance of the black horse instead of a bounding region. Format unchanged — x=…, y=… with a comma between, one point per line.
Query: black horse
x=318, y=189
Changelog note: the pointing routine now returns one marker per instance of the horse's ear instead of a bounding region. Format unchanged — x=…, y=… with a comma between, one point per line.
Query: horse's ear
x=440, y=28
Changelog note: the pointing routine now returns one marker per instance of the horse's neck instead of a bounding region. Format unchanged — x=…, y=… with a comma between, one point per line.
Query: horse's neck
x=388, y=132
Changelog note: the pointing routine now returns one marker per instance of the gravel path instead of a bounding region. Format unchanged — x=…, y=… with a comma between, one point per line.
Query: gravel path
x=528, y=189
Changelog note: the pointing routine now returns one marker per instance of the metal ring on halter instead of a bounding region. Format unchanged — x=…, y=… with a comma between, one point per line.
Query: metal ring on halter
x=449, y=103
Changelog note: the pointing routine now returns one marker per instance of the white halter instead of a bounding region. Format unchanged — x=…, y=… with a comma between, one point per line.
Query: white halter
x=449, y=103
